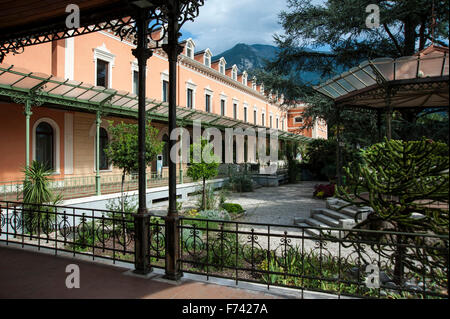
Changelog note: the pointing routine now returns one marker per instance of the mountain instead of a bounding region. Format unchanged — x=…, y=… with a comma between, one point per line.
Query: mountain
x=248, y=57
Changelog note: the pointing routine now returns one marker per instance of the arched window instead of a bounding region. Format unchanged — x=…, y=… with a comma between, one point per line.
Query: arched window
x=166, y=154
x=190, y=50
x=104, y=162
x=45, y=145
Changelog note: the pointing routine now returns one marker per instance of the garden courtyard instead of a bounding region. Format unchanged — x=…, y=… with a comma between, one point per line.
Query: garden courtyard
x=266, y=205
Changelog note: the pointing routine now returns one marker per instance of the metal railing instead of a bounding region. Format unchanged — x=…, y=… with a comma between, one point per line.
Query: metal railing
x=344, y=262
x=83, y=186
x=359, y=263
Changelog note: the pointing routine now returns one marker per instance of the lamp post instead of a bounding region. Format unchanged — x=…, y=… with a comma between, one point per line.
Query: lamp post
x=167, y=16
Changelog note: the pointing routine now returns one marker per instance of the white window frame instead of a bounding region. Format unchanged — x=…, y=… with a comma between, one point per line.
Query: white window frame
x=255, y=115
x=209, y=92
x=234, y=72
x=164, y=77
x=190, y=45
x=102, y=53
x=245, y=117
x=93, y=133
x=207, y=56
x=191, y=85
x=224, y=97
x=56, y=140
x=235, y=101
x=244, y=78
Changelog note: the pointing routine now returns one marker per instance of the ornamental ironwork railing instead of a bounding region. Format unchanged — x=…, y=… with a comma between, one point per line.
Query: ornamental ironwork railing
x=91, y=232
x=83, y=186
x=345, y=262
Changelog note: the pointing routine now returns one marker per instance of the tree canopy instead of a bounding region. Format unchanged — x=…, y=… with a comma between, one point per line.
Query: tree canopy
x=332, y=37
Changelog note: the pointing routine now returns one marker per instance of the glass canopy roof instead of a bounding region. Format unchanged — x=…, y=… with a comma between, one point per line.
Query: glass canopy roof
x=352, y=87
x=19, y=82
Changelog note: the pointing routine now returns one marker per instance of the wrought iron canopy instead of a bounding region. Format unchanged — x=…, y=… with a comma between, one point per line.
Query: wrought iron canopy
x=419, y=81
x=51, y=90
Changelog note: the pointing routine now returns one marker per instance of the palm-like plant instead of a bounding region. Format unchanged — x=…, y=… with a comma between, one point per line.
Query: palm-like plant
x=36, y=193
x=36, y=184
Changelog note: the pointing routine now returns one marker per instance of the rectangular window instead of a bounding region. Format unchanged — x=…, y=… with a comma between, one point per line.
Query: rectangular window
x=208, y=103
x=190, y=98
x=135, y=82
x=298, y=119
x=270, y=121
x=235, y=111
x=222, y=107
x=254, y=117
x=165, y=92
x=277, y=123
x=263, y=122
x=102, y=73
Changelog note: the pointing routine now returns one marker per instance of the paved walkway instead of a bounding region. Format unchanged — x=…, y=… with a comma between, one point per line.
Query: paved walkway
x=26, y=274
x=271, y=205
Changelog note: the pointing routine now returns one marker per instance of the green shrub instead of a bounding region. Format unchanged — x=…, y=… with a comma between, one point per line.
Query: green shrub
x=240, y=182
x=232, y=208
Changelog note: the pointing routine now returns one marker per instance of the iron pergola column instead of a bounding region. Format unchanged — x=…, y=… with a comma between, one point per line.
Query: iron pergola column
x=142, y=218
x=172, y=49
x=98, y=121
x=389, y=112
x=28, y=113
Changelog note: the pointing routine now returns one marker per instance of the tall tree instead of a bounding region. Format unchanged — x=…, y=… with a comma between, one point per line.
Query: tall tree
x=204, y=165
x=122, y=149
x=333, y=36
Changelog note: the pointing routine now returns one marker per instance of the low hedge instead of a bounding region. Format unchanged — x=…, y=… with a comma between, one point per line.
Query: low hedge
x=232, y=208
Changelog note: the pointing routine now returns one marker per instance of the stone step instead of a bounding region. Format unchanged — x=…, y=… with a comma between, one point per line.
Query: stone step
x=335, y=202
x=309, y=231
x=327, y=220
x=315, y=223
x=329, y=212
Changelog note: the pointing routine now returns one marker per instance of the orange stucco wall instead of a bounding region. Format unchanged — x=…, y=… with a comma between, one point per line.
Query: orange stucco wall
x=12, y=139
x=51, y=58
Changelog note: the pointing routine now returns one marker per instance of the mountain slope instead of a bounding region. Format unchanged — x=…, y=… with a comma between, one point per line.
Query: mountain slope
x=248, y=57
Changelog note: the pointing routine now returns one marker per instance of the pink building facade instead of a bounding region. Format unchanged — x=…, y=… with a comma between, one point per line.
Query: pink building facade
x=67, y=137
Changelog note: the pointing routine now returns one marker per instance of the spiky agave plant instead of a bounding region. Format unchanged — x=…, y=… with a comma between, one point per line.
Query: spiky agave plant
x=37, y=193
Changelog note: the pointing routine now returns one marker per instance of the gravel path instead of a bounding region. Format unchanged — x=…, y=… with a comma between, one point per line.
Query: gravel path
x=269, y=205
x=276, y=205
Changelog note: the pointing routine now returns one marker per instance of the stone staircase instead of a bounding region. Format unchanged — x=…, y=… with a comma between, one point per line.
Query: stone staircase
x=332, y=216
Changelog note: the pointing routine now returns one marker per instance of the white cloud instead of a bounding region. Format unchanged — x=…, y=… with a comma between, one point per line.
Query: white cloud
x=223, y=23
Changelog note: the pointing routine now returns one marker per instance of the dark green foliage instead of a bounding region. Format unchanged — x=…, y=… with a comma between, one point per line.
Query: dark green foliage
x=239, y=181
x=292, y=148
x=340, y=25
x=232, y=208
x=321, y=158
x=204, y=165
x=118, y=207
x=406, y=183
x=123, y=147
x=37, y=193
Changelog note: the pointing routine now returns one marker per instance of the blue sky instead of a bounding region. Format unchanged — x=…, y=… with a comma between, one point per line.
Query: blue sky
x=224, y=23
